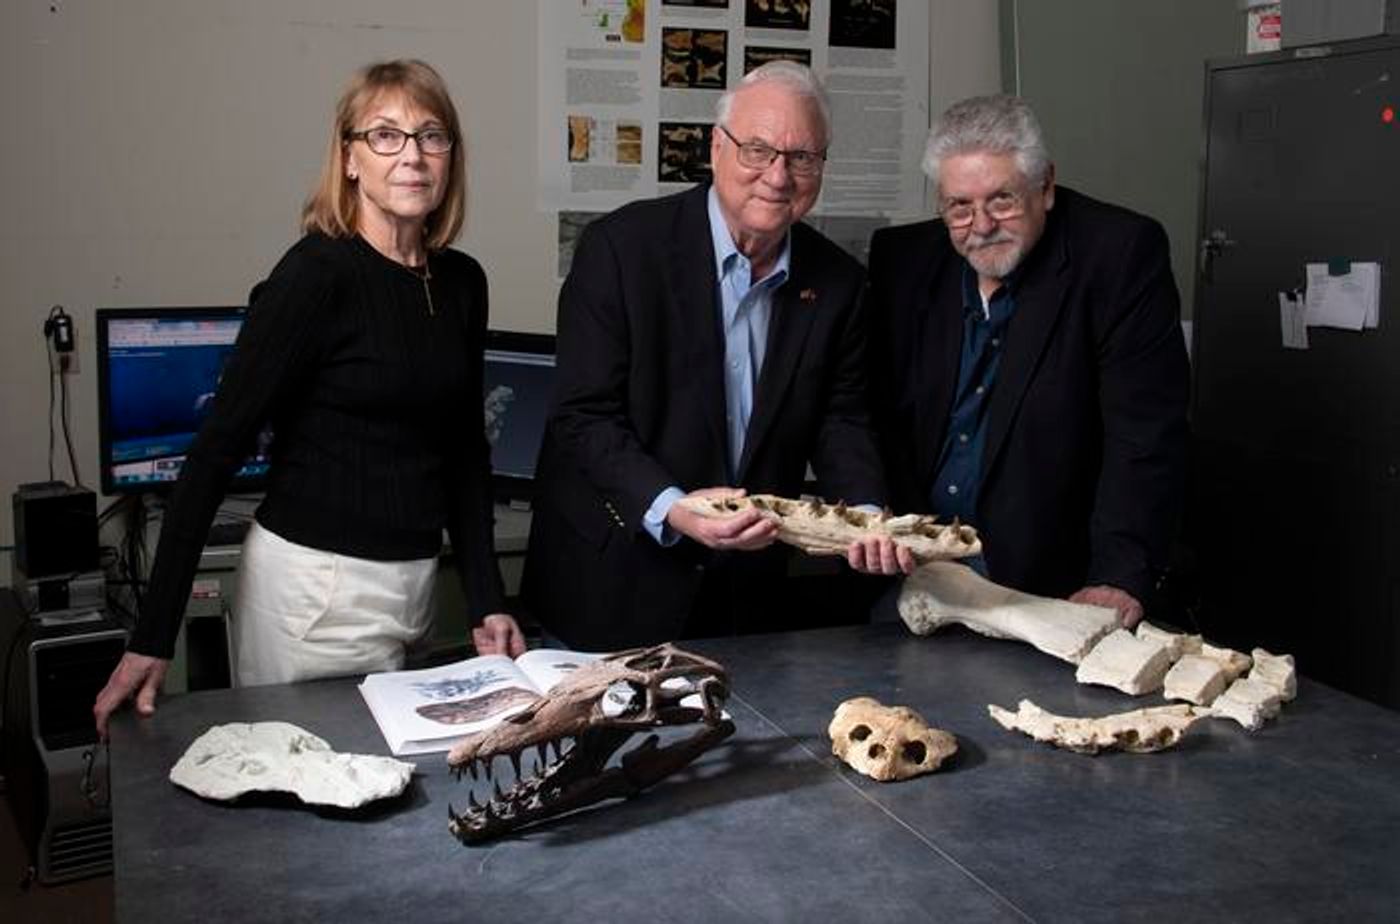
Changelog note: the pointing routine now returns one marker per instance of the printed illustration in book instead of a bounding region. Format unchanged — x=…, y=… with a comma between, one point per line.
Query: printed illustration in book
x=429, y=710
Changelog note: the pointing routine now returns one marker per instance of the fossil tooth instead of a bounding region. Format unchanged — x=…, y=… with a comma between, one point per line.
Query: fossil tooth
x=515, y=763
x=542, y=752
x=471, y=801
x=497, y=787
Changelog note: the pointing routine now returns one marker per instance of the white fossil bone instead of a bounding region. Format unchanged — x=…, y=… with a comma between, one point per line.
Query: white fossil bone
x=1249, y=702
x=887, y=742
x=1140, y=731
x=1196, y=679
x=829, y=529
x=940, y=593
x=1234, y=663
x=1177, y=643
x=229, y=760
x=1125, y=662
x=1278, y=671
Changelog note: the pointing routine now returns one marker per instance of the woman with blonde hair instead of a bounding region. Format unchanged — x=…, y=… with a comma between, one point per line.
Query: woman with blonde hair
x=363, y=351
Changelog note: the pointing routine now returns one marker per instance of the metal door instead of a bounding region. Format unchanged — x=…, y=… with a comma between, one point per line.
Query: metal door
x=1295, y=510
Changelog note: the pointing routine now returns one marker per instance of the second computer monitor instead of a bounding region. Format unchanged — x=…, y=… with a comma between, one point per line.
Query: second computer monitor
x=518, y=388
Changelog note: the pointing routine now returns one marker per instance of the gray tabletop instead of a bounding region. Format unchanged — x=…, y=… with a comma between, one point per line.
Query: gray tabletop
x=1299, y=821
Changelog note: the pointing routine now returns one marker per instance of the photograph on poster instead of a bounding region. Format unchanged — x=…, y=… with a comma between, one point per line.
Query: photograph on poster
x=580, y=138
x=629, y=142
x=694, y=58
x=604, y=141
x=613, y=20
x=756, y=56
x=778, y=14
x=571, y=225
x=862, y=24
x=684, y=155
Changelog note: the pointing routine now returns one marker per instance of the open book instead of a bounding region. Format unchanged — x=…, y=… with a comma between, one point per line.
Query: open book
x=428, y=710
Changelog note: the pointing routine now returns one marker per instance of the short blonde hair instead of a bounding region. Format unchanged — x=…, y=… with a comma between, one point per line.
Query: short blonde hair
x=334, y=205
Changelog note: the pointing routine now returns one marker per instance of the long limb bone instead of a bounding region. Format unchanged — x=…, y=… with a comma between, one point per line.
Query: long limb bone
x=942, y=592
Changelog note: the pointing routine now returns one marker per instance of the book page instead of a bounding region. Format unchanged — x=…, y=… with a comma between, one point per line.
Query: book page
x=547, y=666
x=429, y=710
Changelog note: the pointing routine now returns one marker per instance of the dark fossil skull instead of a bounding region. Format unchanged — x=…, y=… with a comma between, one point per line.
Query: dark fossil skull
x=571, y=734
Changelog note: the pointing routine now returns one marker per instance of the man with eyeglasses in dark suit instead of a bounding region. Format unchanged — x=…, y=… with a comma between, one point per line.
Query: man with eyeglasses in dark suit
x=1028, y=367
x=708, y=343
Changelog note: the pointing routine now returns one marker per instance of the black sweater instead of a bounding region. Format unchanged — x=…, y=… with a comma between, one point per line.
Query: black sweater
x=373, y=391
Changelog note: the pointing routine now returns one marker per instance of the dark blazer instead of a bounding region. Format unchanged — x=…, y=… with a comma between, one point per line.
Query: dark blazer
x=639, y=406
x=1084, y=462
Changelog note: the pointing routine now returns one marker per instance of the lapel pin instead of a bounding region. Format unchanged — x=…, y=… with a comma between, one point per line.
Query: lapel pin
x=808, y=295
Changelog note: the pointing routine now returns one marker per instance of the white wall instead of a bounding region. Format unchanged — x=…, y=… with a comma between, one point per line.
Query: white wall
x=159, y=150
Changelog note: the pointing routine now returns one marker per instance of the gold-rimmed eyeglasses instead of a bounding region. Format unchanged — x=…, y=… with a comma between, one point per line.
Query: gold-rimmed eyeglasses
x=755, y=155
x=999, y=206
x=385, y=140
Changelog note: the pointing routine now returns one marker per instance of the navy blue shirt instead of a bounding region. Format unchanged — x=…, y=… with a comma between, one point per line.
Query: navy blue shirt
x=958, y=478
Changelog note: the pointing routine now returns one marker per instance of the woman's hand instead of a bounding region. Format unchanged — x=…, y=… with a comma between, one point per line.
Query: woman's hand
x=140, y=674
x=499, y=634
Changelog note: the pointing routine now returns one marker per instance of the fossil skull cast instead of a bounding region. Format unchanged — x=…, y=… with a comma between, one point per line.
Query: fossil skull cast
x=571, y=733
x=887, y=742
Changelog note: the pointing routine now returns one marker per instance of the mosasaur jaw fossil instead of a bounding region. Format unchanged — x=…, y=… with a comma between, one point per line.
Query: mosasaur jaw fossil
x=829, y=529
x=570, y=735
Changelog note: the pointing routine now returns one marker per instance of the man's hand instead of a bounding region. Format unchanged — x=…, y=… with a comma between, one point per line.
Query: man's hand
x=879, y=555
x=135, y=673
x=746, y=530
x=499, y=634
x=1129, y=609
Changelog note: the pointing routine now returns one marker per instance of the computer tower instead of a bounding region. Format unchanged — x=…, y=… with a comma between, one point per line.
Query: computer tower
x=56, y=770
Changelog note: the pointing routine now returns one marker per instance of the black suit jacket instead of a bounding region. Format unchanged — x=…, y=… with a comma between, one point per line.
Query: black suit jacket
x=640, y=406
x=1084, y=462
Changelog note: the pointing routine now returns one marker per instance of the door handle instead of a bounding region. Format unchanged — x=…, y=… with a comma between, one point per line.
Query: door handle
x=1213, y=245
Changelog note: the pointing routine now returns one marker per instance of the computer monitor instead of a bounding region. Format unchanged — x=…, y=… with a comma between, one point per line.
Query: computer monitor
x=518, y=387
x=157, y=371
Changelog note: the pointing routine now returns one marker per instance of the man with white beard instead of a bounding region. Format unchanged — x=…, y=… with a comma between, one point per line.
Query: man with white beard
x=1028, y=368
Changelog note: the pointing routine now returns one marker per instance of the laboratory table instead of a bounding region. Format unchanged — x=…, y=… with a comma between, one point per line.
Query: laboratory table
x=1299, y=821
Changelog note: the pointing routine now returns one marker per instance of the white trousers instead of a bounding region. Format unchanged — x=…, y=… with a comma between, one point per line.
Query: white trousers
x=300, y=613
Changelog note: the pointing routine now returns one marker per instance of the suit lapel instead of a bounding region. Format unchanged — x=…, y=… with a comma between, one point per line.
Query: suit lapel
x=938, y=336
x=1039, y=301
x=794, y=305
x=692, y=269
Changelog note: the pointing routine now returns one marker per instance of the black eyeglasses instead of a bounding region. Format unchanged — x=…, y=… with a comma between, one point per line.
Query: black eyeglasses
x=758, y=156
x=385, y=140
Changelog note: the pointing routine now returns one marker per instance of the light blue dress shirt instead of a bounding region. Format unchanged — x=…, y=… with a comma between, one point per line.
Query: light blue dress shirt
x=745, y=307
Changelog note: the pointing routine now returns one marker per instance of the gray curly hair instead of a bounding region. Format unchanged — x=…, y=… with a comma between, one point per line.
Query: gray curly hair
x=998, y=124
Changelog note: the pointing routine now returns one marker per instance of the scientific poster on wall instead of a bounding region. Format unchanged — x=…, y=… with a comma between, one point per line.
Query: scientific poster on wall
x=627, y=91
